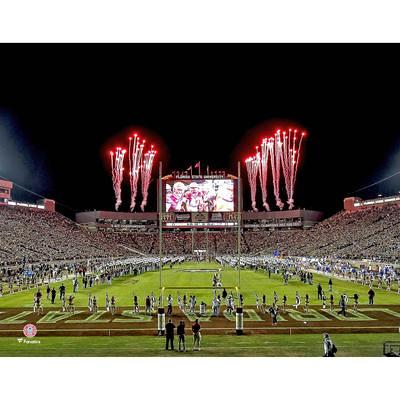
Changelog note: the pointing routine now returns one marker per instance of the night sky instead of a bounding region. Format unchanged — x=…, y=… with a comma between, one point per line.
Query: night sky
x=62, y=108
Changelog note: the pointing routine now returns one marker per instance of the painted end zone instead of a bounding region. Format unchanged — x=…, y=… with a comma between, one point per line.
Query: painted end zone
x=374, y=319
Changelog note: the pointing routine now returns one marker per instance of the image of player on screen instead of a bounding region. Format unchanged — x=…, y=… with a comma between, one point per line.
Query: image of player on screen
x=176, y=200
x=194, y=198
x=224, y=199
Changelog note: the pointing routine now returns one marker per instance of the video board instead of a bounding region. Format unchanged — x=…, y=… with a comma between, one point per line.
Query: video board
x=199, y=195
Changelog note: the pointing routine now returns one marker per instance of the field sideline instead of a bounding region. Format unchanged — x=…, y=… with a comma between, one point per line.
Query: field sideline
x=251, y=283
x=349, y=345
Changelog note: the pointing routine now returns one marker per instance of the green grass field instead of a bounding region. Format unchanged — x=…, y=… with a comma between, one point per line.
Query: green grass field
x=349, y=345
x=251, y=282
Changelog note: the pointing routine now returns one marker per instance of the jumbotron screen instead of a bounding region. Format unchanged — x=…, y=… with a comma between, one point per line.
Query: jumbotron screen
x=199, y=195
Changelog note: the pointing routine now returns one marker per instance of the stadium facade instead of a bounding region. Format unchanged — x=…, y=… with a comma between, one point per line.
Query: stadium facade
x=148, y=221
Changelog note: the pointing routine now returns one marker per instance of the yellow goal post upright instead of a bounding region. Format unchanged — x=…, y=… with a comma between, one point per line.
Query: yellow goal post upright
x=239, y=310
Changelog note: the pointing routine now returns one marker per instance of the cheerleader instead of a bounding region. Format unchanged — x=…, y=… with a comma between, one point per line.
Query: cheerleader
x=355, y=305
x=90, y=303
x=306, y=302
x=135, y=304
x=192, y=304
x=275, y=298
x=284, y=301
x=169, y=300
x=184, y=302
x=71, y=307
x=107, y=302
x=94, y=305
x=298, y=301
x=264, y=303
x=323, y=300
x=202, y=309
x=230, y=305
x=35, y=303
x=179, y=299
x=63, y=303
x=331, y=303
x=112, y=305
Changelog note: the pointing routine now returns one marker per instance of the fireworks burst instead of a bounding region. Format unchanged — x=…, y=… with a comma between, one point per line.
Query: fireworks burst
x=135, y=159
x=252, y=164
x=147, y=167
x=280, y=153
x=117, y=168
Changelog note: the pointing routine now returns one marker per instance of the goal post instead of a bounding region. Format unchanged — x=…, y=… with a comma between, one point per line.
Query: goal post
x=238, y=249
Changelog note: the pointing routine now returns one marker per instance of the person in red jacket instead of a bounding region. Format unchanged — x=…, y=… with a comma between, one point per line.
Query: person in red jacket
x=196, y=335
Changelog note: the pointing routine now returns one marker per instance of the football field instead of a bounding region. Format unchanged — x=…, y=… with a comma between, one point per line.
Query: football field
x=126, y=333
x=191, y=275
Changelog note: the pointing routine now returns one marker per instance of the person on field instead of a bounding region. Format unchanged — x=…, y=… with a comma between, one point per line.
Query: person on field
x=319, y=289
x=298, y=301
x=323, y=300
x=53, y=295
x=148, y=305
x=257, y=302
x=169, y=335
x=355, y=305
x=264, y=302
x=180, y=330
x=95, y=307
x=274, y=311
x=330, y=284
x=184, y=303
x=196, y=335
x=113, y=305
x=135, y=304
x=276, y=298
x=329, y=347
x=214, y=306
x=342, y=305
x=62, y=291
x=224, y=295
x=284, y=301
x=169, y=301
x=179, y=301
x=371, y=295
x=48, y=290
x=71, y=307
x=203, y=311
x=306, y=302
x=331, y=303
x=107, y=302
x=63, y=303
x=90, y=303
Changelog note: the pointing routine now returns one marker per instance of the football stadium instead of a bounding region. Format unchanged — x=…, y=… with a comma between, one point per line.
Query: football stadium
x=256, y=283
x=199, y=201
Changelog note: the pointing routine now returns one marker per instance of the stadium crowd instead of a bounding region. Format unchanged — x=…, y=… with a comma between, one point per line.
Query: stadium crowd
x=29, y=236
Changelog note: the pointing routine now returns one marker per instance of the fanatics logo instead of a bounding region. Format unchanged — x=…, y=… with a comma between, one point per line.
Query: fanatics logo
x=30, y=330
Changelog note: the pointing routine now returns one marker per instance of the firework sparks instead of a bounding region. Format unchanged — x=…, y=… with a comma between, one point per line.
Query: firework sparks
x=135, y=159
x=280, y=152
x=252, y=164
x=263, y=169
x=147, y=168
x=117, y=169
